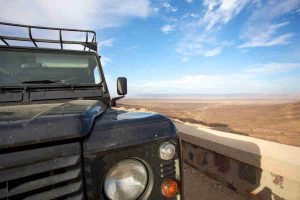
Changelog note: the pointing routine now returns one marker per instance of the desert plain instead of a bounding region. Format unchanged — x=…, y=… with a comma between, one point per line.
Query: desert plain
x=268, y=119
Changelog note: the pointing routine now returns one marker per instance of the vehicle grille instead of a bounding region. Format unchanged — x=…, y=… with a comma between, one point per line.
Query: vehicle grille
x=44, y=173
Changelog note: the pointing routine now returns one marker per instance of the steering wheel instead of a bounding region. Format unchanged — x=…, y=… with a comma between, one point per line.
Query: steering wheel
x=4, y=71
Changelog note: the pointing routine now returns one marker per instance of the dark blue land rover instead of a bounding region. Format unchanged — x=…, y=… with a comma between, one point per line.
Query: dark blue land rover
x=61, y=138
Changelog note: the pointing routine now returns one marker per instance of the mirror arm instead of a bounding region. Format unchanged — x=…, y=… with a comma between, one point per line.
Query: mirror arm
x=113, y=100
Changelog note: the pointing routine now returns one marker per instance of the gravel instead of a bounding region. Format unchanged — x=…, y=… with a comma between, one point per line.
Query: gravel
x=200, y=187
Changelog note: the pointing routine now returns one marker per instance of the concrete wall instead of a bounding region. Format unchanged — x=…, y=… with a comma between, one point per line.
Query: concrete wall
x=255, y=168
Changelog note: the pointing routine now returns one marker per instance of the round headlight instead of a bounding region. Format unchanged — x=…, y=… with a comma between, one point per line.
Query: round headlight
x=167, y=151
x=126, y=180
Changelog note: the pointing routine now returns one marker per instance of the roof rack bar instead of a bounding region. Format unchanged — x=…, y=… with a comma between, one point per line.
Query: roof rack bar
x=86, y=39
x=46, y=40
x=44, y=27
x=94, y=38
x=30, y=36
x=90, y=45
x=4, y=41
x=39, y=40
x=60, y=40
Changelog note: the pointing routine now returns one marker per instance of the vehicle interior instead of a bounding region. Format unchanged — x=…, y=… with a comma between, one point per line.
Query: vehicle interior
x=17, y=67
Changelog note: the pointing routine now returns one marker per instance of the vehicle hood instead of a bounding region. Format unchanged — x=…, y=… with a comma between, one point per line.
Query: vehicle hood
x=46, y=122
x=119, y=129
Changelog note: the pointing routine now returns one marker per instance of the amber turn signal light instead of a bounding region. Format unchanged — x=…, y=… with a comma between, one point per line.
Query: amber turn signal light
x=169, y=188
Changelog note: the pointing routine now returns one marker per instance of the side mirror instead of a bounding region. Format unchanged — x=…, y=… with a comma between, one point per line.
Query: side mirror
x=122, y=86
x=121, y=90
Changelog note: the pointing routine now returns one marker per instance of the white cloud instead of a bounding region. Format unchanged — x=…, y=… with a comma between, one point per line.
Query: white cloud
x=190, y=84
x=274, y=9
x=156, y=9
x=248, y=81
x=169, y=7
x=204, y=45
x=273, y=68
x=215, y=84
x=107, y=43
x=259, y=42
x=194, y=44
x=198, y=37
x=211, y=4
x=262, y=29
x=92, y=14
x=170, y=19
x=193, y=15
x=213, y=52
x=73, y=13
x=221, y=11
x=190, y=1
x=167, y=28
x=185, y=59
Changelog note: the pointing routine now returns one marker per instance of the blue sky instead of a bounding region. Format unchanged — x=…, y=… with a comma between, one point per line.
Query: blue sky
x=183, y=46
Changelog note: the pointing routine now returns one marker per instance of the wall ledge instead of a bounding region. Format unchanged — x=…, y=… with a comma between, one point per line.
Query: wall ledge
x=280, y=159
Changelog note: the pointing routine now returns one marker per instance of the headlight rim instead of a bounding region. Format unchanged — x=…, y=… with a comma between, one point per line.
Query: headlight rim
x=149, y=183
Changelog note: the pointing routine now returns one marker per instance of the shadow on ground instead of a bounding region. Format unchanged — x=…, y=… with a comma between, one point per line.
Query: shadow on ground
x=200, y=187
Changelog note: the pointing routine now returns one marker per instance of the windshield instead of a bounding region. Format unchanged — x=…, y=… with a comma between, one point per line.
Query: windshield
x=18, y=68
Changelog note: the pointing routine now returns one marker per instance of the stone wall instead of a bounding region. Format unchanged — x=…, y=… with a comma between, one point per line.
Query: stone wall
x=255, y=168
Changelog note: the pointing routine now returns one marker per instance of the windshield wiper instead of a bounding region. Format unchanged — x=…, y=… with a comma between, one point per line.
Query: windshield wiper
x=58, y=83
x=44, y=82
x=9, y=88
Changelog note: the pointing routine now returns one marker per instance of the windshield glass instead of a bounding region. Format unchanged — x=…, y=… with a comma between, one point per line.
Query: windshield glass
x=30, y=67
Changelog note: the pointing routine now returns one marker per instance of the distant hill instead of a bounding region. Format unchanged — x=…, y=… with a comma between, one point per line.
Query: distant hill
x=276, y=120
x=282, y=96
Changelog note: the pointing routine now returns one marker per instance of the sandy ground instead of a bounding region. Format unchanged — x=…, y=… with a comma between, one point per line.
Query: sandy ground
x=272, y=120
x=201, y=187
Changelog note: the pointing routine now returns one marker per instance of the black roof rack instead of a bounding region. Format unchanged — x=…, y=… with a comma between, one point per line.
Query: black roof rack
x=88, y=45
